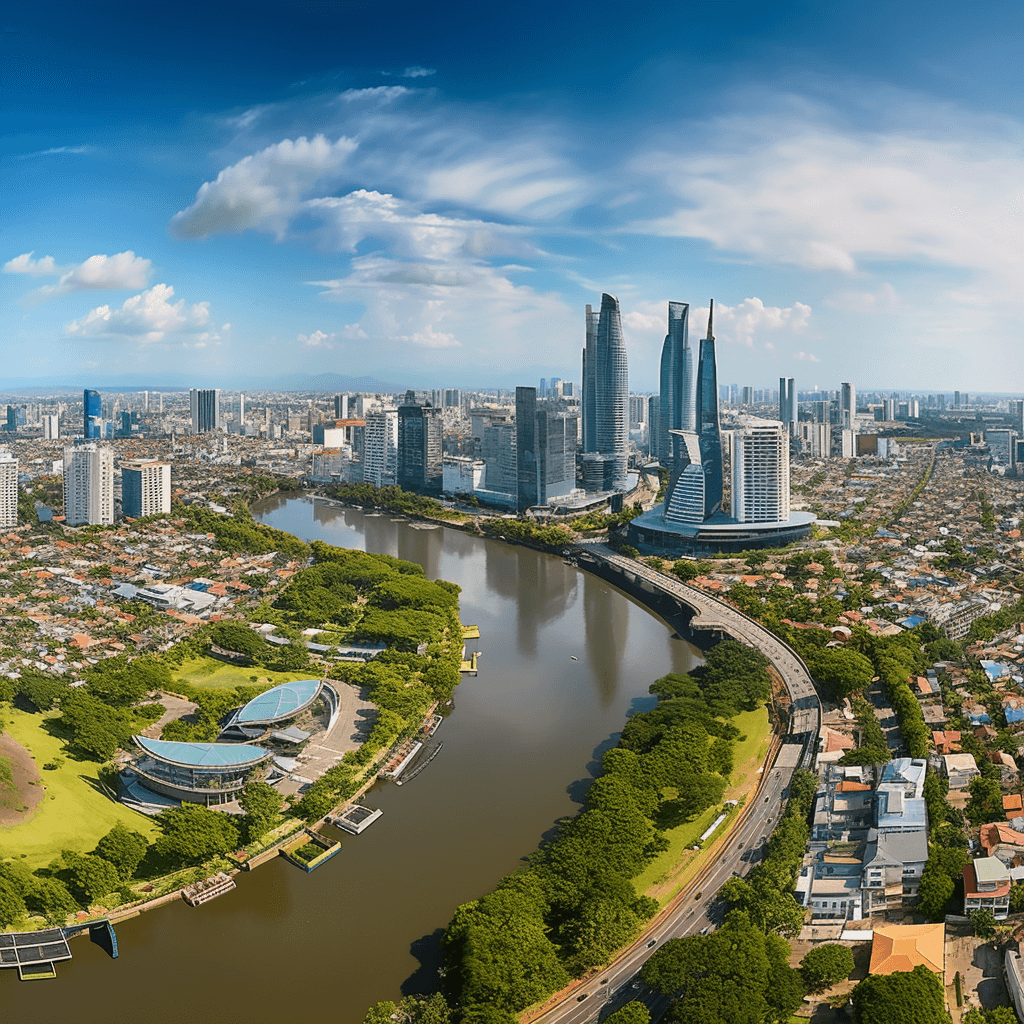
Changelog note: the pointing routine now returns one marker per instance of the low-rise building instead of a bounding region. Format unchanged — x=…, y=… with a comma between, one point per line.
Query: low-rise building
x=960, y=769
x=987, y=887
x=901, y=947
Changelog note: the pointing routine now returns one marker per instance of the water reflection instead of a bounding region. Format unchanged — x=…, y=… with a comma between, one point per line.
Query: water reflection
x=606, y=625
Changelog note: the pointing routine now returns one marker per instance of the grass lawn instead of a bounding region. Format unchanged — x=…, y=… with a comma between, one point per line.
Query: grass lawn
x=74, y=812
x=670, y=871
x=211, y=674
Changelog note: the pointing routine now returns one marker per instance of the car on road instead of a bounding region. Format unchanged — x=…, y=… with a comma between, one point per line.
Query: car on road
x=740, y=847
x=698, y=896
x=579, y=999
x=653, y=942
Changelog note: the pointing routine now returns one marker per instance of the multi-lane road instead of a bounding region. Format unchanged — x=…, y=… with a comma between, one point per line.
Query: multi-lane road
x=695, y=910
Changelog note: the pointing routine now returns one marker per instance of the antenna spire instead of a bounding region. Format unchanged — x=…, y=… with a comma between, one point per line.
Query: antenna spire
x=711, y=317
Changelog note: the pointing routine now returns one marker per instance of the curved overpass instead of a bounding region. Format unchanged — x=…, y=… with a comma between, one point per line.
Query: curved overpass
x=693, y=911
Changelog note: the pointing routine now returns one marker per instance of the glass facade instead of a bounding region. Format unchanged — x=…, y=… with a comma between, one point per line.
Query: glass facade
x=676, y=408
x=92, y=414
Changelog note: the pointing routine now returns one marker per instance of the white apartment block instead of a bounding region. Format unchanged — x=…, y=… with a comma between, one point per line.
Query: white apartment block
x=88, y=486
x=8, y=491
x=380, y=447
x=145, y=488
x=51, y=427
x=760, y=472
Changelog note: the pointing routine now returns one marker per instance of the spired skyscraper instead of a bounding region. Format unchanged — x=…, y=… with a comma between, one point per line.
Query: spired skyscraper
x=676, y=407
x=606, y=397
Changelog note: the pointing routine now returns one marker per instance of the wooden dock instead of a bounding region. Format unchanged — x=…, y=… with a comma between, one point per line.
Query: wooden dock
x=469, y=667
x=470, y=632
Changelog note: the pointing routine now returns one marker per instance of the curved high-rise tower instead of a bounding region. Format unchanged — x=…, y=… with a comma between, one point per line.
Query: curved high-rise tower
x=677, y=380
x=708, y=429
x=606, y=391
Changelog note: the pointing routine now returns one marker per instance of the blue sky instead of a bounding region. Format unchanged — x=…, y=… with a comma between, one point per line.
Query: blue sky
x=431, y=194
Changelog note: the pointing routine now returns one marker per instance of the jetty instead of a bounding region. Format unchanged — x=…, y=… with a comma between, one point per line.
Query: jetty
x=423, y=764
x=198, y=893
x=400, y=759
x=309, y=850
x=34, y=954
x=468, y=667
x=354, y=819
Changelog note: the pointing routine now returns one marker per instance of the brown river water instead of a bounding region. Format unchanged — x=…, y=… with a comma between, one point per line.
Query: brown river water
x=519, y=747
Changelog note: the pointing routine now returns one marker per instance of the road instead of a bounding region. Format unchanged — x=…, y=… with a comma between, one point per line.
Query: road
x=695, y=909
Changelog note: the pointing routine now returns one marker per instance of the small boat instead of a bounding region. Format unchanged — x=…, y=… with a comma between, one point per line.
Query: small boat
x=574, y=658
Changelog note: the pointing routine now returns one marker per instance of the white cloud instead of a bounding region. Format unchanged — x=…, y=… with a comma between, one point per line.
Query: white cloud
x=377, y=94
x=123, y=270
x=24, y=264
x=320, y=339
x=810, y=357
x=418, y=72
x=57, y=151
x=881, y=300
x=796, y=189
x=148, y=317
x=264, y=190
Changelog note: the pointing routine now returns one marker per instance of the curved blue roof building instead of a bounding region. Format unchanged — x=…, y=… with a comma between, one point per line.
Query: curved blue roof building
x=279, y=703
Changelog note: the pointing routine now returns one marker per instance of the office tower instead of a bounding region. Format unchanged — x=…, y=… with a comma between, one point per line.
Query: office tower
x=145, y=401
x=606, y=389
x=677, y=382
x=92, y=414
x=847, y=406
x=145, y=487
x=546, y=432
x=380, y=447
x=1017, y=416
x=942, y=403
x=51, y=427
x=956, y=399
x=965, y=400
x=420, y=448
x=12, y=419
x=734, y=394
x=341, y=407
x=160, y=403
x=568, y=389
x=637, y=411
x=695, y=486
x=654, y=426
x=205, y=406
x=452, y=398
x=88, y=485
x=815, y=439
x=748, y=396
x=8, y=491
x=241, y=408
x=787, y=403
x=542, y=391
x=760, y=472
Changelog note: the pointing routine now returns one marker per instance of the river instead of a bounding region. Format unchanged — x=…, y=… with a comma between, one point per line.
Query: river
x=519, y=746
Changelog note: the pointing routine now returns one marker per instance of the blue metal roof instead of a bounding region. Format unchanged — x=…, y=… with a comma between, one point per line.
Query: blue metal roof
x=279, y=703
x=203, y=755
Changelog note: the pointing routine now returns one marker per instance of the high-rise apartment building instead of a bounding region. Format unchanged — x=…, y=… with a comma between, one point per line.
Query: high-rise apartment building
x=92, y=414
x=788, y=403
x=380, y=447
x=420, y=448
x=847, y=406
x=51, y=427
x=341, y=407
x=88, y=486
x=546, y=432
x=677, y=407
x=654, y=426
x=145, y=488
x=205, y=408
x=760, y=472
x=8, y=491
x=606, y=388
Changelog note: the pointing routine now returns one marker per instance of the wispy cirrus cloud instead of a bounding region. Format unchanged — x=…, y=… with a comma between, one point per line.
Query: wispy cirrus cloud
x=57, y=151
x=418, y=72
x=330, y=339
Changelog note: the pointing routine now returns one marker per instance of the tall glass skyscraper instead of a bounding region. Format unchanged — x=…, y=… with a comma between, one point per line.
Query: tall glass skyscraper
x=92, y=414
x=707, y=420
x=677, y=380
x=606, y=389
x=787, y=403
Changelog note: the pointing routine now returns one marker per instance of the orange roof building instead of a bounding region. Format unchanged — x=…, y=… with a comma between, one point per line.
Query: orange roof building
x=902, y=947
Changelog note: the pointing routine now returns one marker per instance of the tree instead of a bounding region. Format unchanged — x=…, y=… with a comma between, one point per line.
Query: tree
x=634, y=1012
x=12, y=905
x=986, y=803
x=1017, y=897
x=840, y=671
x=906, y=997
x=262, y=806
x=193, y=834
x=983, y=923
x=51, y=898
x=826, y=965
x=934, y=892
x=90, y=877
x=411, y=1010
x=124, y=848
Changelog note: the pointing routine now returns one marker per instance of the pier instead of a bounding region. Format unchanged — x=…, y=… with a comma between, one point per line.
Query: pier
x=355, y=819
x=34, y=954
x=423, y=764
x=400, y=759
x=309, y=850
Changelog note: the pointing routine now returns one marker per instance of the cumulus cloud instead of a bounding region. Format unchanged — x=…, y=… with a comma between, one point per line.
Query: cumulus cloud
x=264, y=190
x=147, y=317
x=321, y=339
x=24, y=264
x=810, y=357
x=418, y=72
x=123, y=270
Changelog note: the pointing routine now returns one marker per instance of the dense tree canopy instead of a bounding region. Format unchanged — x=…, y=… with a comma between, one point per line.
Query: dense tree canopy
x=912, y=997
x=193, y=834
x=124, y=848
x=826, y=965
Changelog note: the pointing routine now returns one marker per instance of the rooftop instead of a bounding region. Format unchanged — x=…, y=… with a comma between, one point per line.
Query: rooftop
x=279, y=703
x=904, y=947
x=203, y=755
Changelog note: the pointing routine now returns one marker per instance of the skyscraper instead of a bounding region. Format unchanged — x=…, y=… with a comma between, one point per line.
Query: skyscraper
x=760, y=472
x=606, y=389
x=545, y=449
x=205, y=407
x=695, y=484
x=380, y=447
x=677, y=381
x=8, y=491
x=847, y=406
x=341, y=407
x=88, y=486
x=92, y=414
x=787, y=403
x=420, y=447
x=145, y=487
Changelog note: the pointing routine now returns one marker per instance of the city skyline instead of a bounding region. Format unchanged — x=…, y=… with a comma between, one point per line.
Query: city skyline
x=331, y=196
